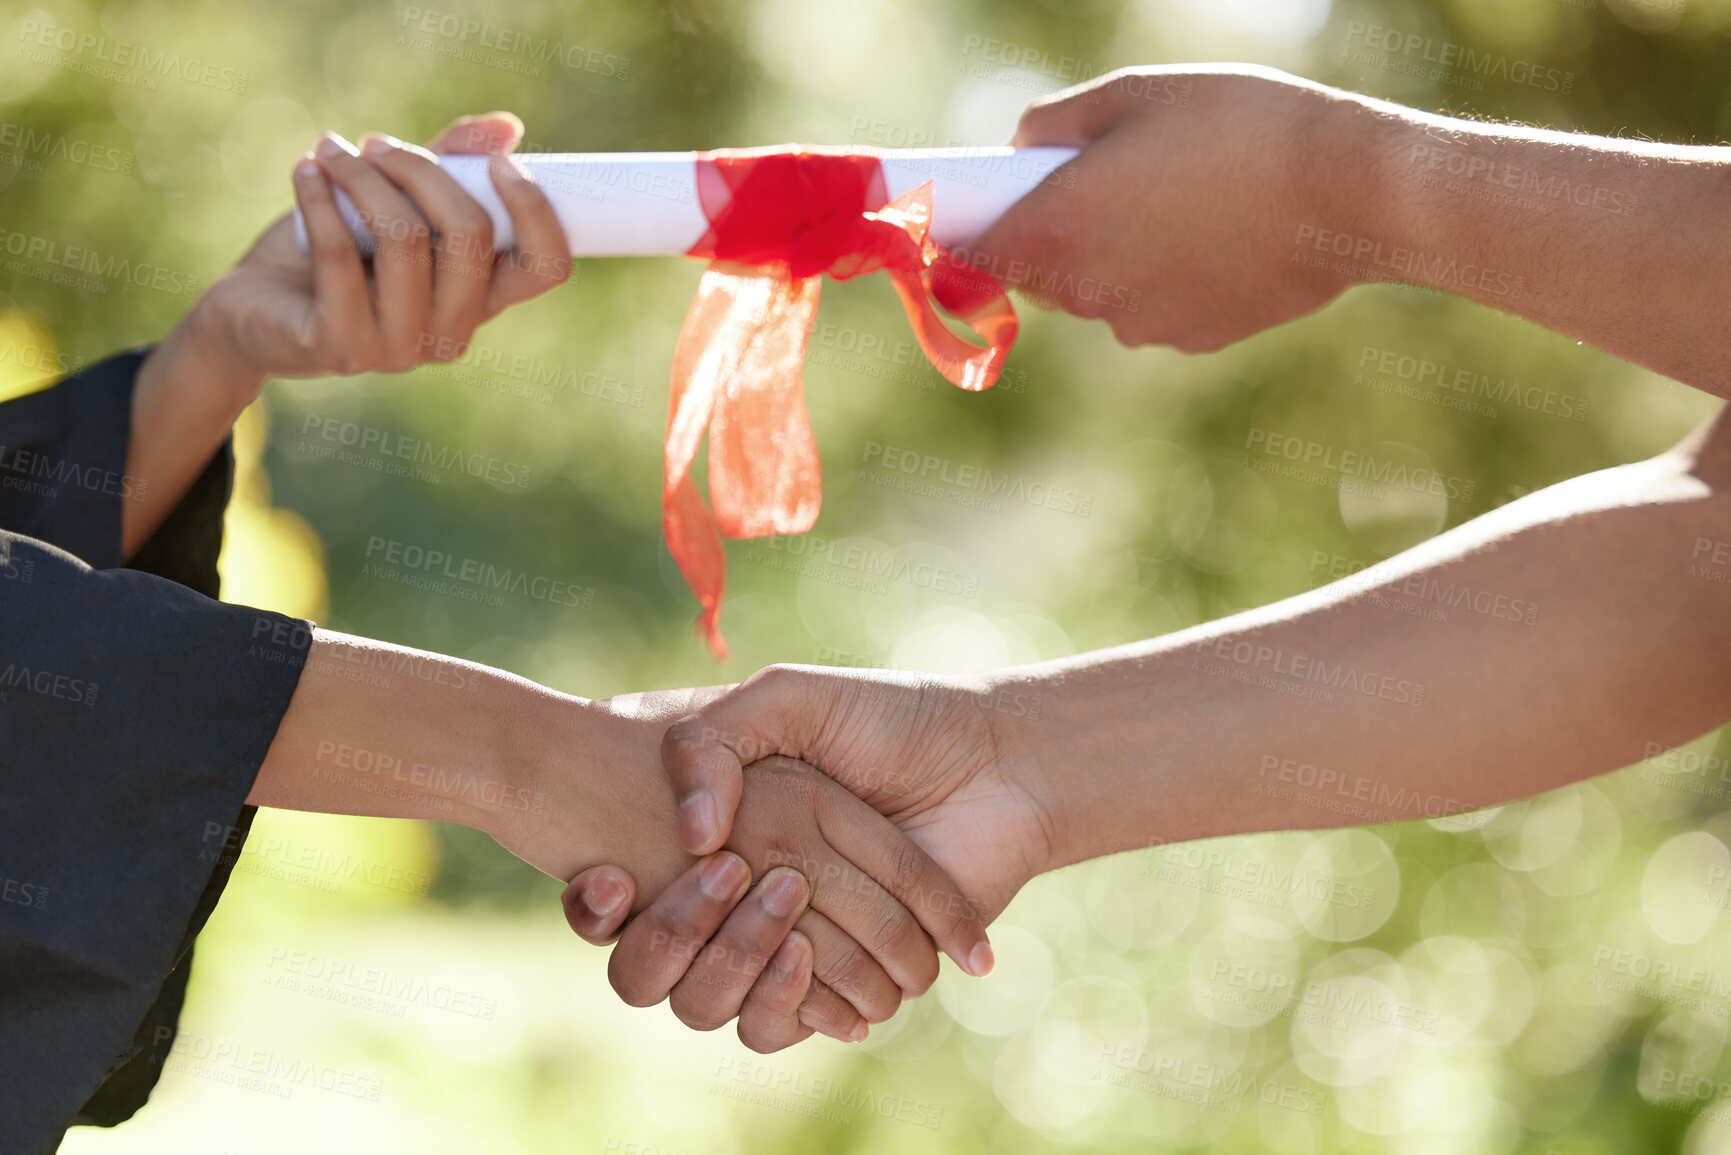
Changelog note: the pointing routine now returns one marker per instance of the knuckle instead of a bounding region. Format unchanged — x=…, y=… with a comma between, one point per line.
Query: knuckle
x=690, y=1009
x=908, y=870
x=891, y=930
x=843, y=961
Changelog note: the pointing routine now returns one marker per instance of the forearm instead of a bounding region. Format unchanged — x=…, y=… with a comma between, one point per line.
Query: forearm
x=384, y=730
x=183, y=405
x=1619, y=243
x=1562, y=636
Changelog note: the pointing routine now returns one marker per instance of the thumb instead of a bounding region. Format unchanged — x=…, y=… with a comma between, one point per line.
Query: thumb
x=597, y=901
x=1073, y=117
x=705, y=753
x=489, y=132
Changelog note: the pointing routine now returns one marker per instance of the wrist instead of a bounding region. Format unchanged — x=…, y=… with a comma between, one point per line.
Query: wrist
x=591, y=792
x=211, y=330
x=1103, y=754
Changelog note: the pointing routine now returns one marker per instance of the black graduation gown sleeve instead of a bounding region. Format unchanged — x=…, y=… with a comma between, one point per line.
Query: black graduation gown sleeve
x=135, y=712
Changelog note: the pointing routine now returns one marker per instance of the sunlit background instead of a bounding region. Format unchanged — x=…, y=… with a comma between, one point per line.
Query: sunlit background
x=1553, y=976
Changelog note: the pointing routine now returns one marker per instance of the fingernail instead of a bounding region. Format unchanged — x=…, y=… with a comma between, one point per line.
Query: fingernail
x=782, y=897
x=331, y=145
x=697, y=819
x=859, y=1033
x=723, y=878
x=786, y=957
x=604, y=895
x=980, y=961
x=375, y=144
x=306, y=166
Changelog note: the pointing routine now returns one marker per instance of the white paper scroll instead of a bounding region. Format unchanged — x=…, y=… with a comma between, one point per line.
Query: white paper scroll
x=616, y=204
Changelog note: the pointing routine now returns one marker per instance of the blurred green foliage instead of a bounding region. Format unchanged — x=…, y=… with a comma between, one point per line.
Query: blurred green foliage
x=1504, y=943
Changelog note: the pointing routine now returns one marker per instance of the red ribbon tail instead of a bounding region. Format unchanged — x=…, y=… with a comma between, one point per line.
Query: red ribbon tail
x=695, y=543
x=978, y=299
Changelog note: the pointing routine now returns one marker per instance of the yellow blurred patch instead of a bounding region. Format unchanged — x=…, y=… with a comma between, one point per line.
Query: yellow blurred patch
x=291, y=856
x=271, y=558
x=29, y=358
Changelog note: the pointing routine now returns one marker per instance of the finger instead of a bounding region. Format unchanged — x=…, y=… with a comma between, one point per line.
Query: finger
x=827, y=1013
x=461, y=247
x=541, y=257
x=1078, y=115
x=472, y=135
x=843, y=965
x=660, y=944
x=343, y=327
x=597, y=903
x=402, y=261
x=725, y=970
x=769, y=1021
x=914, y=884
x=705, y=753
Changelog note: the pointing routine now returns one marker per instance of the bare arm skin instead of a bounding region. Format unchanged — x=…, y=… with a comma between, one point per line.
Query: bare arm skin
x=1564, y=635
x=566, y=784
x=279, y=313
x=1212, y=203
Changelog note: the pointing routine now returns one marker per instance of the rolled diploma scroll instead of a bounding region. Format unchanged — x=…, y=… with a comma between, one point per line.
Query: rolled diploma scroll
x=622, y=204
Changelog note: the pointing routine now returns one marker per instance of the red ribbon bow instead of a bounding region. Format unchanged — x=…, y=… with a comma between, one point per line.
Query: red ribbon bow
x=778, y=220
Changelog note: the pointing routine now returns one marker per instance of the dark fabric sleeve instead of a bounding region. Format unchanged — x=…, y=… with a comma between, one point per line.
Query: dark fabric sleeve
x=134, y=715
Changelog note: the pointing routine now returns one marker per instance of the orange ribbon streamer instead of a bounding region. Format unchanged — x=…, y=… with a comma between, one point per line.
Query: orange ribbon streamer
x=778, y=220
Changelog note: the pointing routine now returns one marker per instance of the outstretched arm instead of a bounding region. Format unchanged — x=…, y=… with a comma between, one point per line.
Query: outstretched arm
x=1211, y=203
x=1562, y=636
x=565, y=784
x=279, y=312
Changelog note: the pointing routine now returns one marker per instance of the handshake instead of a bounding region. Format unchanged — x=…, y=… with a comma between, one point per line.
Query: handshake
x=809, y=840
